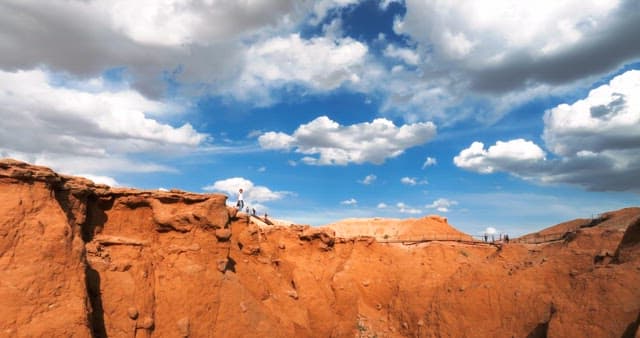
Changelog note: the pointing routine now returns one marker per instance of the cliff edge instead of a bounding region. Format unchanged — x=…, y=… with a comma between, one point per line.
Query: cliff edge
x=79, y=259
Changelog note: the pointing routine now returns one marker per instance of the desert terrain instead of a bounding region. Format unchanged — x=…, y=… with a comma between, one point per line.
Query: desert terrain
x=78, y=259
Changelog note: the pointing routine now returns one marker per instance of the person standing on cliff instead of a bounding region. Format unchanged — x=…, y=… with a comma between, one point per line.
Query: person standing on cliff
x=240, y=203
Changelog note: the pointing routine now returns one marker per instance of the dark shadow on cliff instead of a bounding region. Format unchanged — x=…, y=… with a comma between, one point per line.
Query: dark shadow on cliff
x=96, y=316
x=63, y=197
x=630, y=243
x=540, y=331
x=632, y=328
x=96, y=217
x=231, y=265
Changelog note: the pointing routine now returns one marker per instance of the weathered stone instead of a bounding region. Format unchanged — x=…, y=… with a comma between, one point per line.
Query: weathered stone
x=184, y=327
x=327, y=236
x=251, y=250
x=232, y=212
x=293, y=294
x=223, y=234
x=146, y=323
x=222, y=265
x=132, y=312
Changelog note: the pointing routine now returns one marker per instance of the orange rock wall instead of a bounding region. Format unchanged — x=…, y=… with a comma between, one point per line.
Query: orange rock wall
x=82, y=260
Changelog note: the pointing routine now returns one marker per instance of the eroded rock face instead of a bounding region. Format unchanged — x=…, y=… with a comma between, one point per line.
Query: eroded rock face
x=42, y=270
x=79, y=259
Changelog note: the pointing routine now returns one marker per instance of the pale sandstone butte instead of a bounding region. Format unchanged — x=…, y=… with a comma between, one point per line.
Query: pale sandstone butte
x=79, y=259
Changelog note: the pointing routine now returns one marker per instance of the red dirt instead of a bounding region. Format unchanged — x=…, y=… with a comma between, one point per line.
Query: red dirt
x=81, y=260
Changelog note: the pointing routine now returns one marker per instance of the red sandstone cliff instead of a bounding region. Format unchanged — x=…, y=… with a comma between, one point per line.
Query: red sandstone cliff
x=80, y=260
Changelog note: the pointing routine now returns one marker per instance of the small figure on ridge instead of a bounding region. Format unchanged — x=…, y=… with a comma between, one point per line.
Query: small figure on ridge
x=240, y=203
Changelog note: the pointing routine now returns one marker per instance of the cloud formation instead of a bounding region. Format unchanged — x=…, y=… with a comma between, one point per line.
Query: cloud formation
x=320, y=63
x=322, y=7
x=351, y=201
x=147, y=38
x=411, y=181
x=110, y=181
x=405, y=209
x=252, y=193
x=252, y=49
x=369, y=179
x=503, y=45
x=372, y=142
x=84, y=128
x=406, y=55
x=498, y=54
x=503, y=156
x=441, y=204
x=596, y=142
x=428, y=162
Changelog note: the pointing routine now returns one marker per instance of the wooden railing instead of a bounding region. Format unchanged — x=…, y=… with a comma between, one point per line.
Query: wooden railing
x=430, y=238
x=541, y=238
x=476, y=239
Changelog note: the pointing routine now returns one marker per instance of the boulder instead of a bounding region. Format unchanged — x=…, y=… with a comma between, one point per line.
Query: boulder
x=223, y=235
x=327, y=236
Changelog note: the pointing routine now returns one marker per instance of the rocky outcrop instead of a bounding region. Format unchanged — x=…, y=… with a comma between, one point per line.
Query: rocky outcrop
x=326, y=236
x=629, y=246
x=80, y=259
x=432, y=227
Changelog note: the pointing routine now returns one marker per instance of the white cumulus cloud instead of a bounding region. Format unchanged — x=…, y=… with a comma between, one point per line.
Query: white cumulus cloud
x=428, y=162
x=110, y=181
x=607, y=119
x=496, y=54
x=319, y=63
x=322, y=7
x=369, y=179
x=407, y=55
x=87, y=127
x=405, y=209
x=491, y=38
x=412, y=181
x=372, y=142
x=441, y=204
x=384, y=4
x=351, y=201
x=252, y=193
x=150, y=39
x=596, y=142
x=502, y=156
x=179, y=22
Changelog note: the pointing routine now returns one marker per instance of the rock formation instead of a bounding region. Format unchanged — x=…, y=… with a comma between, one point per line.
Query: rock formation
x=86, y=260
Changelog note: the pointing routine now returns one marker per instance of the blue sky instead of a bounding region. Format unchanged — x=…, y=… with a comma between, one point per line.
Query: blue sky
x=497, y=114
